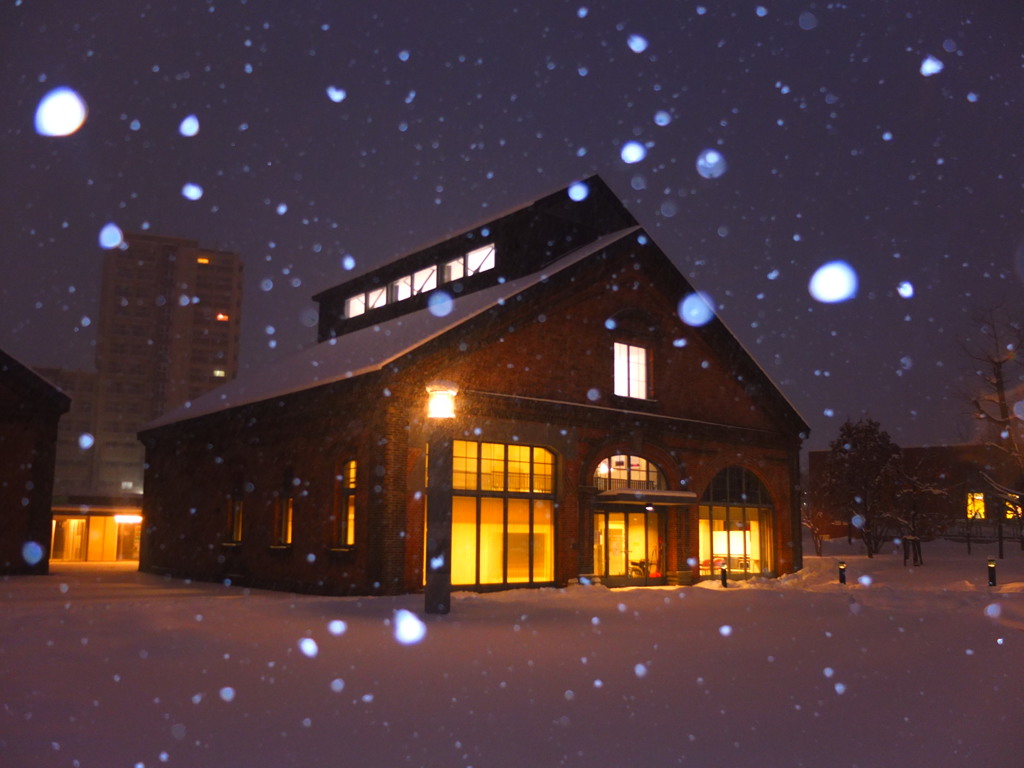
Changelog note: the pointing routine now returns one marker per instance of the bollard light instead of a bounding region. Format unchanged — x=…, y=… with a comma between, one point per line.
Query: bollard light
x=991, y=572
x=842, y=571
x=724, y=577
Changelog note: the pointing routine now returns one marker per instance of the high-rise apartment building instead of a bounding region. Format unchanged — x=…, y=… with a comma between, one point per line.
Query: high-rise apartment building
x=168, y=331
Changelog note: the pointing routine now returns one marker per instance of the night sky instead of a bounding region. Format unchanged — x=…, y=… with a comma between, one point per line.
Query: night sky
x=366, y=130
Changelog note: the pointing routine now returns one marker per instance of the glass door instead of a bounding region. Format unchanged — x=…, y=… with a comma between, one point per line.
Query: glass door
x=628, y=547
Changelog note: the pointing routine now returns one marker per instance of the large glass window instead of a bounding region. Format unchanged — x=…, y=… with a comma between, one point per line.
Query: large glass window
x=736, y=520
x=630, y=370
x=503, y=524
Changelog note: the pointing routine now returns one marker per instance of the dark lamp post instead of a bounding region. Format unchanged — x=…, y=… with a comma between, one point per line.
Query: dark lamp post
x=440, y=410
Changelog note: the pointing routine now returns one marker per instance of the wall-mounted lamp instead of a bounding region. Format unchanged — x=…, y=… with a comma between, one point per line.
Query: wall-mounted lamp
x=441, y=399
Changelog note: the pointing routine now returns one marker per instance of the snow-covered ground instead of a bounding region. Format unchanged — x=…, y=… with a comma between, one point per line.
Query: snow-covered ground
x=103, y=666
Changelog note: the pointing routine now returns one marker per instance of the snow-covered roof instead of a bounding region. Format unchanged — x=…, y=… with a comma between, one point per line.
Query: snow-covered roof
x=367, y=349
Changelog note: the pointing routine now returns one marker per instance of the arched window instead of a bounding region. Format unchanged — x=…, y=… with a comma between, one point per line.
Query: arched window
x=503, y=520
x=623, y=471
x=736, y=520
x=343, y=508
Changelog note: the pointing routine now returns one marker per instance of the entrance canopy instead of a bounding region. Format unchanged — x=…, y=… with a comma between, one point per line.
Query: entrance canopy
x=646, y=496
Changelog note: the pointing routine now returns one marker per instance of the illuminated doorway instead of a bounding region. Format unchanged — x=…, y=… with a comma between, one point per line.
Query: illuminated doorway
x=736, y=526
x=629, y=539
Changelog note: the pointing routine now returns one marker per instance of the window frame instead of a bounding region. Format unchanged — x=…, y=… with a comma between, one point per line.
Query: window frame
x=284, y=521
x=478, y=487
x=236, y=519
x=631, y=370
x=344, y=506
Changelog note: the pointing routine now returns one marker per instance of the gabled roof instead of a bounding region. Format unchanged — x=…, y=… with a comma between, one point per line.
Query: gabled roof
x=368, y=349
x=29, y=385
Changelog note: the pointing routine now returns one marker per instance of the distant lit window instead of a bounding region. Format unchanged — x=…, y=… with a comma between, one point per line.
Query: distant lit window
x=480, y=260
x=219, y=373
x=127, y=485
x=355, y=305
x=424, y=280
x=222, y=318
x=376, y=298
x=975, y=506
x=630, y=371
x=202, y=260
x=400, y=289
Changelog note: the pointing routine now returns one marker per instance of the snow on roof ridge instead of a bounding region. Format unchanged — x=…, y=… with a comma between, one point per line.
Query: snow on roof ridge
x=367, y=349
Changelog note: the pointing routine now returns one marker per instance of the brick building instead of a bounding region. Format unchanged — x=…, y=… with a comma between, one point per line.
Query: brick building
x=30, y=409
x=594, y=432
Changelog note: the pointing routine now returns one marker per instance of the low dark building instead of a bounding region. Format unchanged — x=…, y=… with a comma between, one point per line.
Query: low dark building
x=952, y=490
x=593, y=433
x=30, y=410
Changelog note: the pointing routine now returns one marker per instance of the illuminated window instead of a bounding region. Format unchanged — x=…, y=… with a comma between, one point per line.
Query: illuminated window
x=376, y=298
x=630, y=371
x=283, y=510
x=502, y=514
x=202, y=260
x=735, y=525
x=400, y=289
x=424, y=280
x=622, y=471
x=454, y=269
x=236, y=508
x=222, y=318
x=219, y=373
x=343, y=518
x=480, y=260
x=355, y=305
x=975, y=506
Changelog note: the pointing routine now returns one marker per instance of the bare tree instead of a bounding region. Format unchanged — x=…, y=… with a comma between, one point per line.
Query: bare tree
x=863, y=479
x=998, y=351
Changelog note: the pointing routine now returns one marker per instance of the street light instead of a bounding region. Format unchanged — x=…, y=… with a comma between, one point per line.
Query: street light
x=440, y=409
